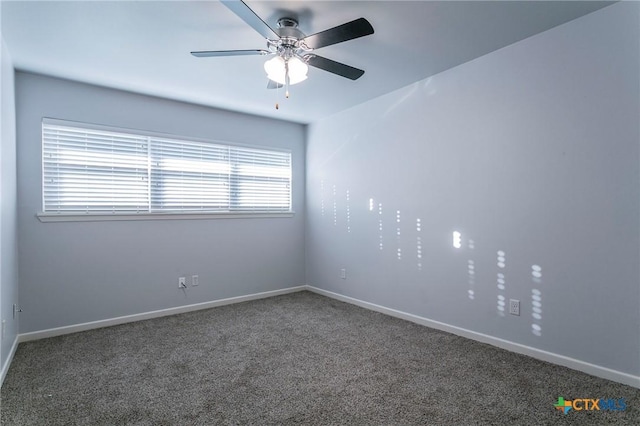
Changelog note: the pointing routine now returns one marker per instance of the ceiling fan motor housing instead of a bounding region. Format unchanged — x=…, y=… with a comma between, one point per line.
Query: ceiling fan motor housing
x=289, y=33
x=289, y=44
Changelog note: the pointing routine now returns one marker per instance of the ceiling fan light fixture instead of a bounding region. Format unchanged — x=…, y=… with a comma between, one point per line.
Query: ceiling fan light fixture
x=276, y=70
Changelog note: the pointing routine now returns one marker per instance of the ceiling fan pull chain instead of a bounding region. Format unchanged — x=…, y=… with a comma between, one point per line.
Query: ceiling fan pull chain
x=286, y=78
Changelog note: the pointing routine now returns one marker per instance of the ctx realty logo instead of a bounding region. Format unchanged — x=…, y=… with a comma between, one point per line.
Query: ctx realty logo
x=590, y=404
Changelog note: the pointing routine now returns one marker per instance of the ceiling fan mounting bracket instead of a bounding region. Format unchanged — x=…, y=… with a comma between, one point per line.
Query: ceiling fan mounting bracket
x=287, y=22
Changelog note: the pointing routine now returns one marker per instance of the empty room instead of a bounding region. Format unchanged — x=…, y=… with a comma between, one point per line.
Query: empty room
x=320, y=212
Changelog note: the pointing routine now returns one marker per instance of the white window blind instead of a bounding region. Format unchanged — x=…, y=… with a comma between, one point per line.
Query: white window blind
x=96, y=171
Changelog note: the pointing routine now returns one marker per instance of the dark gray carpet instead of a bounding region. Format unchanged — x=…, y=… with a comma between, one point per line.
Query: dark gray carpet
x=298, y=358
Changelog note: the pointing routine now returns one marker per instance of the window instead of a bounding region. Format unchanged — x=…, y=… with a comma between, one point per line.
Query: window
x=98, y=171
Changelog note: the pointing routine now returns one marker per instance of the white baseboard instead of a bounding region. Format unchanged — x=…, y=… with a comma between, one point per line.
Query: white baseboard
x=59, y=331
x=7, y=362
x=594, y=370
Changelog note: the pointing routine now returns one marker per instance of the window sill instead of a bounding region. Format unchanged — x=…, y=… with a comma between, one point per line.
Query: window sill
x=78, y=217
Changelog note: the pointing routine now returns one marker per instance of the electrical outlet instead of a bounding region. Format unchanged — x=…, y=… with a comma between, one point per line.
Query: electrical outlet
x=182, y=282
x=195, y=280
x=343, y=273
x=16, y=310
x=514, y=307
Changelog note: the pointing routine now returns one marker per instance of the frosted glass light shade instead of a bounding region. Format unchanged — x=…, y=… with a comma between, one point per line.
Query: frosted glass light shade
x=276, y=70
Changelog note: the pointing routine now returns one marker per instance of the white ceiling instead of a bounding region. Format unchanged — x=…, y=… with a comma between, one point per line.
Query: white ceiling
x=143, y=46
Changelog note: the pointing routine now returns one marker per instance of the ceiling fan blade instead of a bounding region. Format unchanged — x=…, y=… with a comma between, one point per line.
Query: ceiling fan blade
x=245, y=13
x=273, y=85
x=334, y=67
x=209, y=53
x=354, y=29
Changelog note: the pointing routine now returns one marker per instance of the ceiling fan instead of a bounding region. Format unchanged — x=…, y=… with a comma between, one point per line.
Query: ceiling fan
x=291, y=49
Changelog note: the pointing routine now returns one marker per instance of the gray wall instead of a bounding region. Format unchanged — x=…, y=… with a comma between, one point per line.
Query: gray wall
x=531, y=150
x=77, y=272
x=8, y=221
